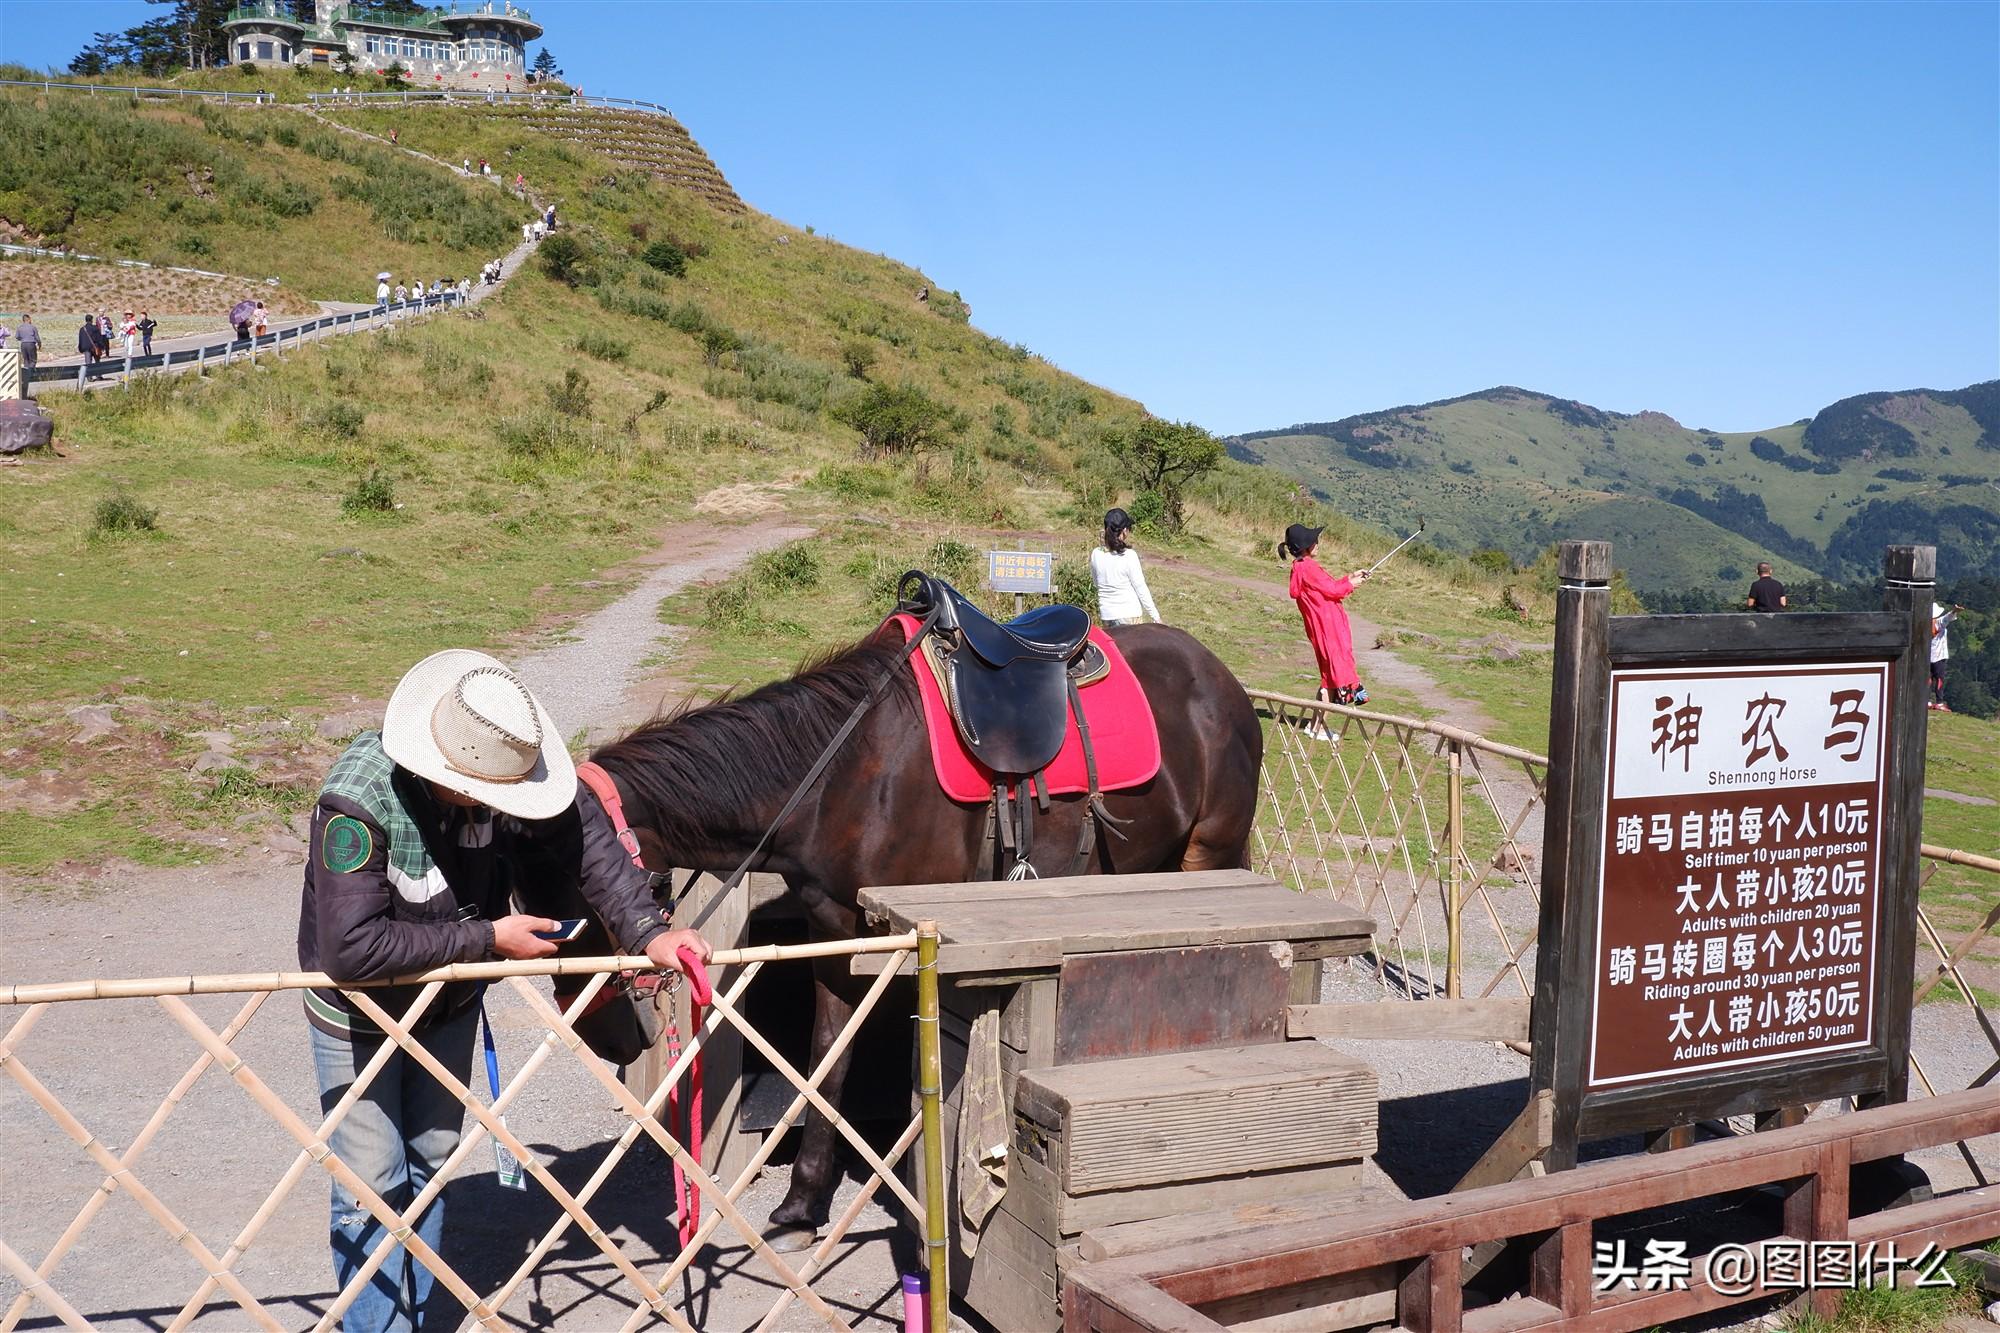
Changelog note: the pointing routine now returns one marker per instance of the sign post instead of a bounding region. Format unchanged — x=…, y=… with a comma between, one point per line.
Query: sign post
x=1735, y=813
x=1020, y=572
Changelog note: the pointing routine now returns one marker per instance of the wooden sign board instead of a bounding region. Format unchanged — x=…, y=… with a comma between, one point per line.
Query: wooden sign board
x=1729, y=916
x=1021, y=571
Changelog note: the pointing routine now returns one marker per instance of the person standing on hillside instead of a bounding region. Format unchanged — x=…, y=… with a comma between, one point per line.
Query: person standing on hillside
x=28, y=339
x=1122, y=595
x=128, y=333
x=146, y=326
x=412, y=855
x=1767, y=595
x=1319, y=596
x=1940, y=652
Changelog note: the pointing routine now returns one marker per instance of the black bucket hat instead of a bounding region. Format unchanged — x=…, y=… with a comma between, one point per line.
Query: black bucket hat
x=1301, y=538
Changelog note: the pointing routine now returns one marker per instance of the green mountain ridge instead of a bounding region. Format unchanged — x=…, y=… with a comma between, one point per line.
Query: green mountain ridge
x=1688, y=509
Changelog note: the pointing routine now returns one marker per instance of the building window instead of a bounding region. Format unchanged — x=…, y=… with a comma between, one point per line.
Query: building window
x=319, y=57
x=263, y=50
x=243, y=50
x=285, y=53
x=424, y=50
x=372, y=46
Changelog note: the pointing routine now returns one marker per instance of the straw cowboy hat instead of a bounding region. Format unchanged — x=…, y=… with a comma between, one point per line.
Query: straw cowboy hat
x=464, y=721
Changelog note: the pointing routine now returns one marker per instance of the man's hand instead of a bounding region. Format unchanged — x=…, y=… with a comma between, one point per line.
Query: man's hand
x=665, y=949
x=514, y=937
x=1361, y=575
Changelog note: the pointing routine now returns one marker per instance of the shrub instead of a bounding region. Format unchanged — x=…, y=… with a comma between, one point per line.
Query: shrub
x=1074, y=584
x=119, y=512
x=858, y=356
x=900, y=419
x=337, y=420
x=953, y=561
x=665, y=256
x=602, y=346
x=370, y=494
x=793, y=567
x=717, y=342
x=562, y=258
x=730, y=605
x=1146, y=510
x=571, y=398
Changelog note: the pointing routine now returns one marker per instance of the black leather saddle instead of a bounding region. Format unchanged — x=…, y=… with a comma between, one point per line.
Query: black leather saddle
x=1007, y=685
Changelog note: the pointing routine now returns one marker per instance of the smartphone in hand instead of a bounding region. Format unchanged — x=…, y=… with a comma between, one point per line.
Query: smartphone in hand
x=565, y=931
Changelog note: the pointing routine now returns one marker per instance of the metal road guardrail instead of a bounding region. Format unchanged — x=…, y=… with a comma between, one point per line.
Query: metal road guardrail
x=225, y=351
x=415, y=96
x=57, y=85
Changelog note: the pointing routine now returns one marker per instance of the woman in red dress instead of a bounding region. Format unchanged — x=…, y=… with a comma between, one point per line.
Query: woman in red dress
x=1319, y=596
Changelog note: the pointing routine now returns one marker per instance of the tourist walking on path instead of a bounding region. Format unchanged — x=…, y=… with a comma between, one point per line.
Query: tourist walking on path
x=1940, y=652
x=103, y=336
x=417, y=834
x=86, y=339
x=1766, y=594
x=28, y=339
x=1122, y=595
x=128, y=333
x=1319, y=596
x=263, y=320
x=146, y=326
x=381, y=291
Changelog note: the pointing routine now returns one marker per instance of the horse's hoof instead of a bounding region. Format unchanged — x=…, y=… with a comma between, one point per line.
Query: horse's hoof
x=785, y=1238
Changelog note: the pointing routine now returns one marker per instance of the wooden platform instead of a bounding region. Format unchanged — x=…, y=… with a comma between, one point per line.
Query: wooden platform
x=1138, y=1024
x=1033, y=925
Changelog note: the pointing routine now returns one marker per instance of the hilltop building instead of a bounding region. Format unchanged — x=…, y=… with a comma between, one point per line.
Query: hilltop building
x=467, y=44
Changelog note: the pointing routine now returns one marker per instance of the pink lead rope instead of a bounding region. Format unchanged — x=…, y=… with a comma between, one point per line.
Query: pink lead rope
x=687, y=1195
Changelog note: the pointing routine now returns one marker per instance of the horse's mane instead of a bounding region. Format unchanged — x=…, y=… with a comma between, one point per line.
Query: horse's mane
x=705, y=767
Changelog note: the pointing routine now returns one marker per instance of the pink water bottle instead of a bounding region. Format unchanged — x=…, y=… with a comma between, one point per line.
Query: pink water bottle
x=916, y=1315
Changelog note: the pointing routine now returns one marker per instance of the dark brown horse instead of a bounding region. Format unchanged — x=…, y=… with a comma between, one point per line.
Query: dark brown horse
x=702, y=784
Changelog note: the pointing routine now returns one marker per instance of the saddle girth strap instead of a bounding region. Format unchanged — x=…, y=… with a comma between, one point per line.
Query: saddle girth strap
x=594, y=777
x=1086, y=829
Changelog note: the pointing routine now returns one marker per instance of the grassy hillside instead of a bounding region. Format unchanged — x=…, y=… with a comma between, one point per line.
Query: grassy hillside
x=248, y=552
x=1690, y=508
x=251, y=552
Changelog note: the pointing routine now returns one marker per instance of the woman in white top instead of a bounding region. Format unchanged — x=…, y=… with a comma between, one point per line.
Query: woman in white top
x=1122, y=593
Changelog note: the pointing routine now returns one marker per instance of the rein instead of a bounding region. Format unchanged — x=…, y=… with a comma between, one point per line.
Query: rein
x=811, y=778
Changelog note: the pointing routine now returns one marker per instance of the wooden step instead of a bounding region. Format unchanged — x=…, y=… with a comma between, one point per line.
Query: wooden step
x=1190, y=1116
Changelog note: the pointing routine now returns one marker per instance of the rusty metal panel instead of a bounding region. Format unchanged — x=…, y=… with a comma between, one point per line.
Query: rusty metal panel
x=1153, y=1001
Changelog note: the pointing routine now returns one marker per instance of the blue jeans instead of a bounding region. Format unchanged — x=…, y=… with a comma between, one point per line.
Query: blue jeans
x=395, y=1138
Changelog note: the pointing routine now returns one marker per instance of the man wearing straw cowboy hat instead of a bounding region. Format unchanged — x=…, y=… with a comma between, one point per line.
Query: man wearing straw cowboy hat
x=409, y=868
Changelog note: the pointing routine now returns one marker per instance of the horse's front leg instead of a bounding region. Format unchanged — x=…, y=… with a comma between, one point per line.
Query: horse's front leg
x=815, y=1171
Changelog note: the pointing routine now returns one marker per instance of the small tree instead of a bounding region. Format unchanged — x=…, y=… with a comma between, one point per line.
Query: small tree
x=858, y=355
x=563, y=259
x=545, y=65
x=900, y=419
x=1163, y=457
x=665, y=256
x=395, y=74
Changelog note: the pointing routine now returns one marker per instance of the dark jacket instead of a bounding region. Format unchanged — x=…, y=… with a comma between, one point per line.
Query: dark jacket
x=86, y=339
x=405, y=883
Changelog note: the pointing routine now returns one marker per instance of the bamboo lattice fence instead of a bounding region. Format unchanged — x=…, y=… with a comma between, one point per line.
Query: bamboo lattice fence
x=1437, y=832
x=220, y=1275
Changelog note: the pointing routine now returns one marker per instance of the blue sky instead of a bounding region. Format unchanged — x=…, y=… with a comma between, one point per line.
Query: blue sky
x=1252, y=215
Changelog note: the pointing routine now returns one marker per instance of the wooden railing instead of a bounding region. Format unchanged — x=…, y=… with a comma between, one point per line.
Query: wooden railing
x=1425, y=1242
x=61, y=1066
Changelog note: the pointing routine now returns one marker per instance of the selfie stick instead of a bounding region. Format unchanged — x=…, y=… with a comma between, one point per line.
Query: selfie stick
x=1399, y=546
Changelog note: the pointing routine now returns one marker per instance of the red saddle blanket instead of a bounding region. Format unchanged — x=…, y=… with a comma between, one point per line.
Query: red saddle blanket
x=1123, y=736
